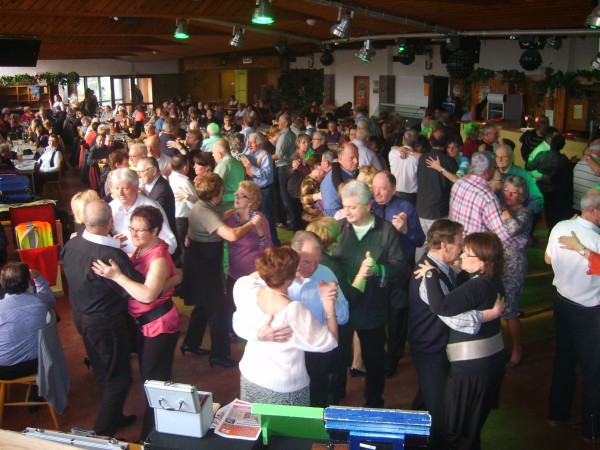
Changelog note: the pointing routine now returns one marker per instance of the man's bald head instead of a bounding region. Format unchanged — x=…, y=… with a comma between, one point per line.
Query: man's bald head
x=97, y=217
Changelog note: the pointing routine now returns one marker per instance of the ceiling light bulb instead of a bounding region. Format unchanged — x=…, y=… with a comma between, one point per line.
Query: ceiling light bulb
x=181, y=31
x=342, y=27
x=237, y=37
x=595, y=63
x=366, y=53
x=593, y=20
x=262, y=13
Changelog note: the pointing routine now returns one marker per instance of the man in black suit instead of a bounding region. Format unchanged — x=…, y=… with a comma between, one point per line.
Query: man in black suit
x=428, y=333
x=99, y=312
x=158, y=189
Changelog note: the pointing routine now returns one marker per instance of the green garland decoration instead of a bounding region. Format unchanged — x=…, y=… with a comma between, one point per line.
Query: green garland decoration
x=551, y=81
x=66, y=79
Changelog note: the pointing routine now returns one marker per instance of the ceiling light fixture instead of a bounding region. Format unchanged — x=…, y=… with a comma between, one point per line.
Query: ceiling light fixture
x=595, y=63
x=237, y=37
x=593, y=20
x=326, y=57
x=342, y=27
x=262, y=13
x=181, y=30
x=281, y=45
x=366, y=53
x=401, y=43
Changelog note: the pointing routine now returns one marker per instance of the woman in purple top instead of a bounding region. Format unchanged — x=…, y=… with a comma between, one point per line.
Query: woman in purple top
x=242, y=254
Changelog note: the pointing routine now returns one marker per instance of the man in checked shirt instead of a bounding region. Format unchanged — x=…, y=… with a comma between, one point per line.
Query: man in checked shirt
x=428, y=333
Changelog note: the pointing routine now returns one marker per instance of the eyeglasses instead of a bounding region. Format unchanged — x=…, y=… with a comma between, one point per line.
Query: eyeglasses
x=144, y=170
x=136, y=231
x=511, y=193
x=238, y=195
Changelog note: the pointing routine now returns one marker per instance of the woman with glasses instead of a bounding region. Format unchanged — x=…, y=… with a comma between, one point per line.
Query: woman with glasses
x=244, y=252
x=202, y=284
x=517, y=220
x=150, y=304
x=476, y=361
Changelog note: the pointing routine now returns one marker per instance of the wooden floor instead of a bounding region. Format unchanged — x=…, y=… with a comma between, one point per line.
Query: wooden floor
x=519, y=423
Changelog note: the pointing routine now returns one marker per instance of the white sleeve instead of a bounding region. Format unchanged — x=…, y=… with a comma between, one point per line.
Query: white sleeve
x=245, y=318
x=308, y=333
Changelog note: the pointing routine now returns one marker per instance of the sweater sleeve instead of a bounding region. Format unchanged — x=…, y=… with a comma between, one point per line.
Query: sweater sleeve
x=462, y=299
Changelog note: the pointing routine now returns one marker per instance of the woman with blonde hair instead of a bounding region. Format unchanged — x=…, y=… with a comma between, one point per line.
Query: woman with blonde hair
x=78, y=203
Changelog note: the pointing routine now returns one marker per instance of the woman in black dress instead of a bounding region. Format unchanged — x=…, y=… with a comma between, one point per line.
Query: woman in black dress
x=476, y=361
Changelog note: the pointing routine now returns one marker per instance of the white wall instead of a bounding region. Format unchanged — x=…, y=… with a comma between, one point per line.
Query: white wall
x=575, y=54
x=96, y=67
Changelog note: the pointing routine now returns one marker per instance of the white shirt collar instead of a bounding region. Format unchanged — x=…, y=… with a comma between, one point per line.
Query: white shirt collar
x=102, y=240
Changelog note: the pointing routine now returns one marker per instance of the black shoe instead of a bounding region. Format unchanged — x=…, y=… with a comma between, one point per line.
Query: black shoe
x=355, y=373
x=223, y=361
x=126, y=421
x=195, y=350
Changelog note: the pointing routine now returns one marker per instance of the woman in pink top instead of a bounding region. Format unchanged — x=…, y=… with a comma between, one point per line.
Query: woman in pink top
x=151, y=305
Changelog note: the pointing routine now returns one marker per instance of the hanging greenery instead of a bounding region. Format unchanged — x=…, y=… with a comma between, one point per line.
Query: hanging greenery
x=552, y=80
x=299, y=87
x=71, y=78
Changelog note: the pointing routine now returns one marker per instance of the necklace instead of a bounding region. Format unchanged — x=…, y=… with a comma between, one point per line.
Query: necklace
x=279, y=293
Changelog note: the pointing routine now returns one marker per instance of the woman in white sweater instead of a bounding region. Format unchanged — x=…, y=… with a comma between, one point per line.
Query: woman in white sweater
x=273, y=371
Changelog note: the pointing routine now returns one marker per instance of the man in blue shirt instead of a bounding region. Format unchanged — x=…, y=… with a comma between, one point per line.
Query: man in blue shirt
x=259, y=168
x=346, y=169
x=403, y=216
x=313, y=282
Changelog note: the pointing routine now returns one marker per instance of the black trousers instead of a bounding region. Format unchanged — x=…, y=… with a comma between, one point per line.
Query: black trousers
x=106, y=341
x=155, y=357
x=396, y=335
x=181, y=229
x=341, y=359
x=22, y=369
x=432, y=371
x=317, y=366
x=372, y=344
x=577, y=337
x=214, y=315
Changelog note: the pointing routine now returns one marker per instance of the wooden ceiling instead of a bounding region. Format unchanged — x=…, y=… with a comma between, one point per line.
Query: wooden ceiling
x=142, y=30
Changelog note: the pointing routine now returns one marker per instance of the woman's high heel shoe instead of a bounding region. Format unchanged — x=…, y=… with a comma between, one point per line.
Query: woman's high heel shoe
x=228, y=363
x=195, y=350
x=355, y=373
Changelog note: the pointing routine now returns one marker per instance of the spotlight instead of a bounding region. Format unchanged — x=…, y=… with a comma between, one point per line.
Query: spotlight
x=326, y=57
x=181, y=30
x=366, y=53
x=341, y=28
x=532, y=42
x=281, y=45
x=237, y=37
x=262, y=13
x=593, y=20
x=401, y=43
x=595, y=63
x=554, y=42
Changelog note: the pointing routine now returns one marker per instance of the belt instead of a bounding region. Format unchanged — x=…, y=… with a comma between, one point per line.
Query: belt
x=154, y=314
x=571, y=302
x=461, y=351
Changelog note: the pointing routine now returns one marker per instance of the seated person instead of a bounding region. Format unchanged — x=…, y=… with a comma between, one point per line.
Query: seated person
x=49, y=164
x=22, y=315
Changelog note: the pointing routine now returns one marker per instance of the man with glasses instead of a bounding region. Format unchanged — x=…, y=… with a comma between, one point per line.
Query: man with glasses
x=136, y=151
x=126, y=195
x=318, y=143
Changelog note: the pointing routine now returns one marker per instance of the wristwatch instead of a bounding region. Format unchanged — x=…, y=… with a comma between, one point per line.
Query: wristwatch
x=582, y=251
x=429, y=273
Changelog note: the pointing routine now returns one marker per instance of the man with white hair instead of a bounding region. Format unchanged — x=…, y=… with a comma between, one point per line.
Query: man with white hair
x=473, y=204
x=230, y=170
x=366, y=157
x=214, y=132
x=404, y=161
x=127, y=197
x=136, y=151
x=490, y=138
x=370, y=252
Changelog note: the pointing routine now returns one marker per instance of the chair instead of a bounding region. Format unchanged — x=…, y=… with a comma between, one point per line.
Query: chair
x=5, y=397
x=51, y=187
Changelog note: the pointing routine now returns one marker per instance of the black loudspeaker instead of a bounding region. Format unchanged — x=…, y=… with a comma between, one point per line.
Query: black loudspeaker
x=467, y=44
x=19, y=52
